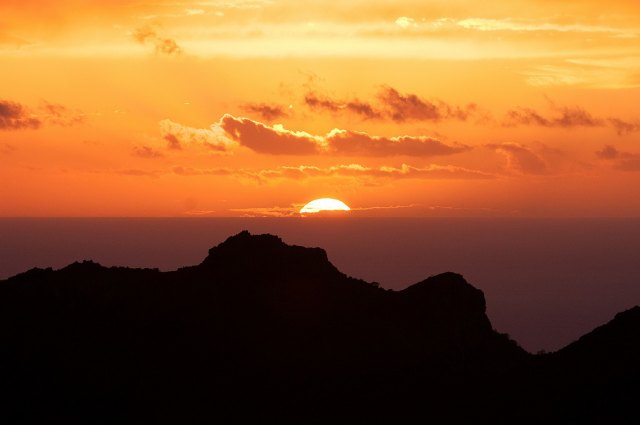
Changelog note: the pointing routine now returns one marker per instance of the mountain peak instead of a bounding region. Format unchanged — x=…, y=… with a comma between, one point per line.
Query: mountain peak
x=267, y=254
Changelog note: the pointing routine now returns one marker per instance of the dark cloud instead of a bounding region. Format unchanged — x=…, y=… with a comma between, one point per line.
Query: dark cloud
x=355, y=106
x=409, y=107
x=267, y=112
x=608, y=152
x=392, y=105
x=564, y=117
x=14, y=116
x=277, y=140
x=270, y=140
x=147, y=35
x=521, y=158
x=344, y=142
x=172, y=141
x=567, y=117
x=623, y=161
x=623, y=127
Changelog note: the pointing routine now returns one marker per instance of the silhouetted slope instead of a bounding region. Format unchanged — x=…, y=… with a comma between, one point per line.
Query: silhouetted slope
x=258, y=330
x=597, y=378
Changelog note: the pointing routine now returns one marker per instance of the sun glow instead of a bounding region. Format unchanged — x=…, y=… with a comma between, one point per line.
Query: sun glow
x=324, y=204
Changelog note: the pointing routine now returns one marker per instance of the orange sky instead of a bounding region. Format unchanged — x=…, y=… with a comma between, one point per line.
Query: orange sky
x=255, y=107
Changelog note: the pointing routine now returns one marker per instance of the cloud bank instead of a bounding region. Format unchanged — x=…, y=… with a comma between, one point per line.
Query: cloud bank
x=276, y=140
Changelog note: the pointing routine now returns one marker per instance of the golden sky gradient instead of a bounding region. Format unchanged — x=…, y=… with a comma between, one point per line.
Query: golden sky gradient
x=255, y=107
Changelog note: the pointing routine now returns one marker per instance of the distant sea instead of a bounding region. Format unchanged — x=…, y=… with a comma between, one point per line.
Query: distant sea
x=546, y=281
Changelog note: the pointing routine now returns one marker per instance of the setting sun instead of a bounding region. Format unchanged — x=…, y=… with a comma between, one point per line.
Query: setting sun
x=324, y=204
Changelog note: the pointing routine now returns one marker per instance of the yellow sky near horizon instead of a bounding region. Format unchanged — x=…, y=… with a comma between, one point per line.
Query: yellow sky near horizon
x=403, y=108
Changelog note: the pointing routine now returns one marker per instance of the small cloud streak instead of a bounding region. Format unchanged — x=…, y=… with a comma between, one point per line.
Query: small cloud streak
x=266, y=112
x=189, y=171
x=57, y=114
x=199, y=213
x=431, y=172
x=392, y=105
x=162, y=45
x=135, y=172
x=267, y=211
x=622, y=161
x=146, y=152
x=14, y=116
x=355, y=106
x=623, y=127
x=385, y=207
x=567, y=117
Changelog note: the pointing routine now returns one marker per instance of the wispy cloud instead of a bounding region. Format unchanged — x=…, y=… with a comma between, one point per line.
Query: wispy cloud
x=318, y=102
x=519, y=25
x=147, y=35
x=408, y=107
x=564, y=117
x=55, y=113
x=266, y=112
x=623, y=127
x=567, y=117
x=392, y=105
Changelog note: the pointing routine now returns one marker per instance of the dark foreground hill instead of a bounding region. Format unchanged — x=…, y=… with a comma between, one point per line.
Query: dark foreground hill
x=261, y=330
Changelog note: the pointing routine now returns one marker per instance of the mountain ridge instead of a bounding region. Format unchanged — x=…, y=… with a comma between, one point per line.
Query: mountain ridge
x=259, y=321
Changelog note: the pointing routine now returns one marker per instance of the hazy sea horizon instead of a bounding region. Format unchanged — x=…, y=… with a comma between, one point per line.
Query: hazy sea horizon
x=546, y=281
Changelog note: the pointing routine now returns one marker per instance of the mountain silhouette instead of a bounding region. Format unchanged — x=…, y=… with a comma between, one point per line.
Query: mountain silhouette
x=261, y=330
